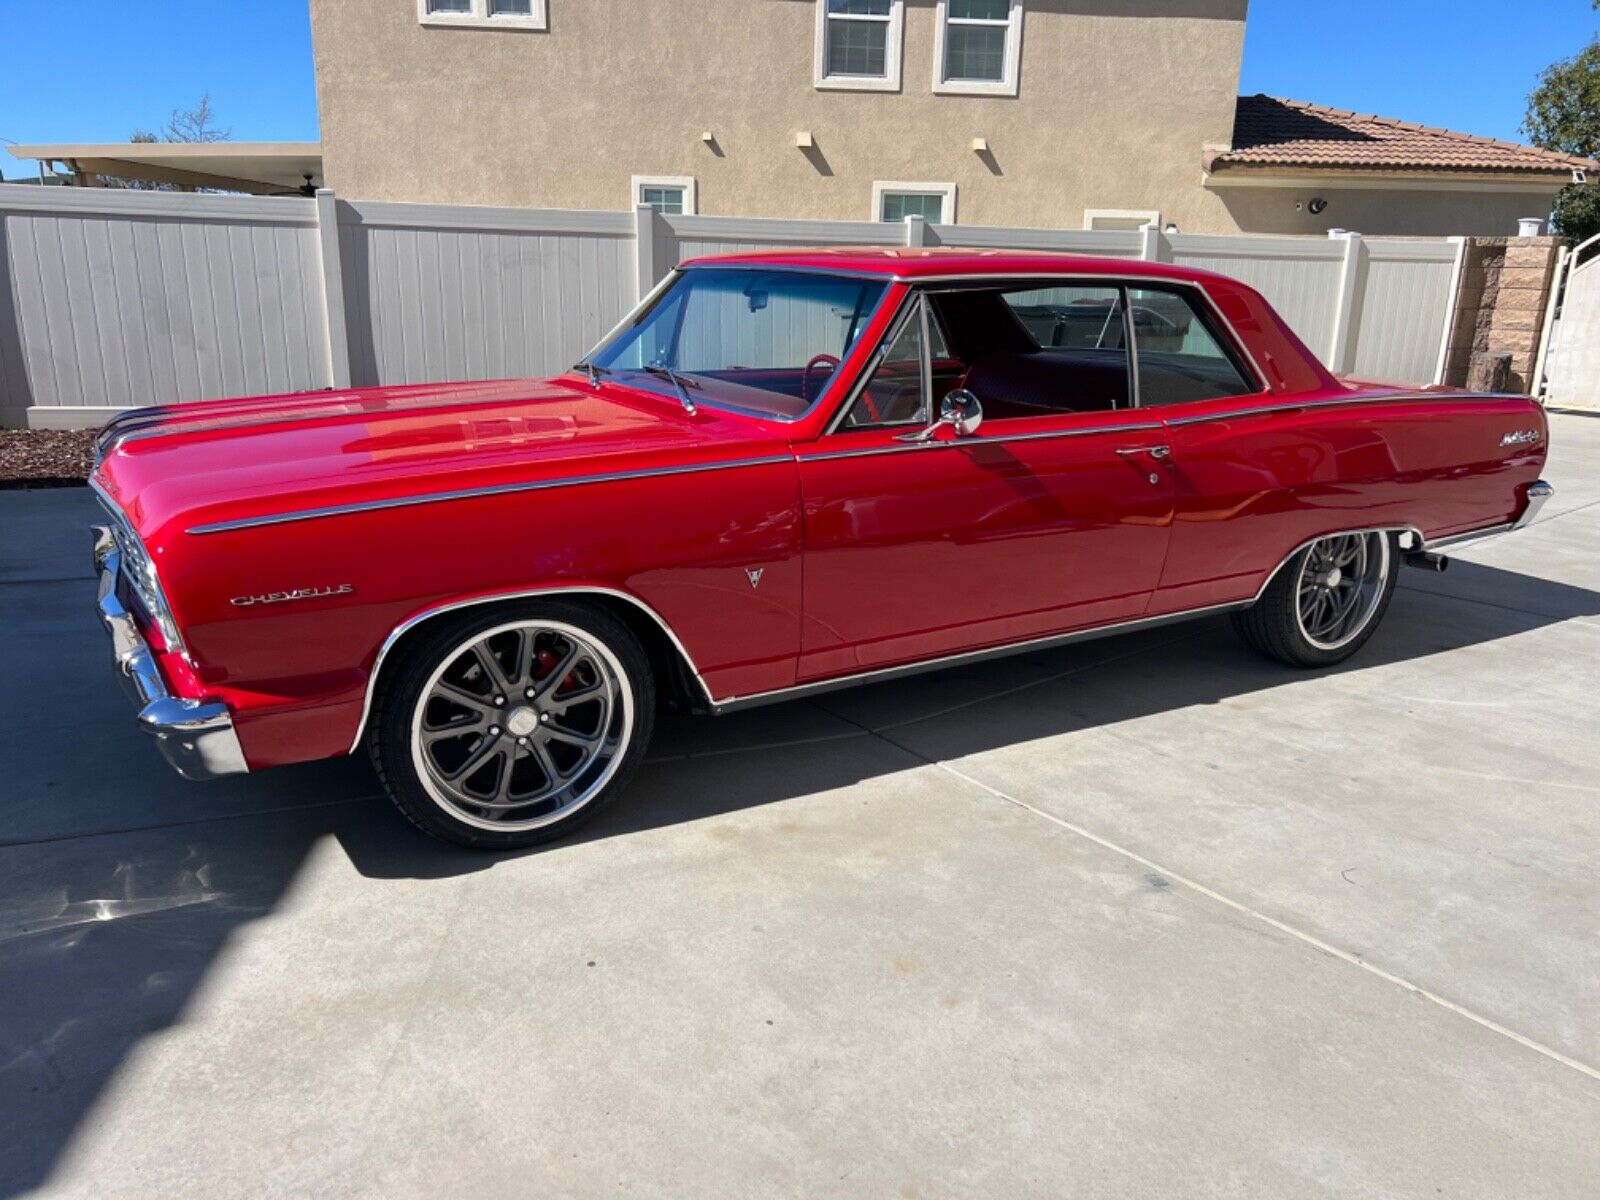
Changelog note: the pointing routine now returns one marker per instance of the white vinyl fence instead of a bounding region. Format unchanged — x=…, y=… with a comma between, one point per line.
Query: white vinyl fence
x=111, y=299
x=1572, y=366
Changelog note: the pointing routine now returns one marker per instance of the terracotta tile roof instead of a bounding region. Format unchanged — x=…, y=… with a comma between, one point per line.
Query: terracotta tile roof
x=1269, y=132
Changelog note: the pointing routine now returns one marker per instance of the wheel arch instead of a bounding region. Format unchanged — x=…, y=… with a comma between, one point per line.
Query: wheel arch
x=677, y=674
x=1405, y=532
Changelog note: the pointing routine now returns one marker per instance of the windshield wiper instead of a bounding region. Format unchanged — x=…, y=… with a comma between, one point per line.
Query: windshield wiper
x=662, y=371
x=593, y=372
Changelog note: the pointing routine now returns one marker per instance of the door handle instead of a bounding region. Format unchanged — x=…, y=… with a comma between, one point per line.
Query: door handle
x=1157, y=452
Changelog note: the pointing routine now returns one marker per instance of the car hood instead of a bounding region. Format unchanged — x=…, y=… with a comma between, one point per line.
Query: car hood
x=231, y=460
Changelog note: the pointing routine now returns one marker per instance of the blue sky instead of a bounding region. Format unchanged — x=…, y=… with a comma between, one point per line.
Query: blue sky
x=97, y=69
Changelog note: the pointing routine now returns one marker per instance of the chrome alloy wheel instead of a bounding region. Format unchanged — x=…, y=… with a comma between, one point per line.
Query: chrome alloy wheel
x=1341, y=584
x=522, y=725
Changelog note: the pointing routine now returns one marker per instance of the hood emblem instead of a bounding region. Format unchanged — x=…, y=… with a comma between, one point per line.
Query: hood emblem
x=754, y=574
x=311, y=593
x=1520, y=437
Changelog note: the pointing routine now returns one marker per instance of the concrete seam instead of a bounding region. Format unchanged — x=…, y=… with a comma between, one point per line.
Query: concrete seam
x=1298, y=934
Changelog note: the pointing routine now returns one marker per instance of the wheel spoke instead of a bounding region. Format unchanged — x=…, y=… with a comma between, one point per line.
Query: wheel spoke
x=579, y=695
x=491, y=668
x=456, y=694
x=558, y=674
x=485, y=750
x=583, y=741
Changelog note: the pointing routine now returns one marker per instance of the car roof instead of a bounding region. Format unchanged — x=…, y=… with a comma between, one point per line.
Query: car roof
x=942, y=262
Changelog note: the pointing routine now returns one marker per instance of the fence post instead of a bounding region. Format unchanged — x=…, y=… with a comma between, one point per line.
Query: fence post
x=1153, y=245
x=916, y=230
x=1450, y=310
x=1352, y=273
x=644, y=249
x=333, y=289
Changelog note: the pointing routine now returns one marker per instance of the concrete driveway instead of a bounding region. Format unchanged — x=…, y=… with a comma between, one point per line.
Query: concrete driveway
x=1145, y=917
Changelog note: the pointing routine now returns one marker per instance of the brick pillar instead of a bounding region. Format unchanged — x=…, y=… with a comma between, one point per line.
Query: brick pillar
x=1505, y=286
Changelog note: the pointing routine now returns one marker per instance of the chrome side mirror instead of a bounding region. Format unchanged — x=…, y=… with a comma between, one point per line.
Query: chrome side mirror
x=959, y=409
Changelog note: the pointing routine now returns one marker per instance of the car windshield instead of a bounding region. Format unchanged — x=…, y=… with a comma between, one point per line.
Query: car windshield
x=766, y=342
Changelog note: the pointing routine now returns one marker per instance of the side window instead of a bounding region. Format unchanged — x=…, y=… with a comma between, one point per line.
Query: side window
x=893, y=395
x=1180, y=356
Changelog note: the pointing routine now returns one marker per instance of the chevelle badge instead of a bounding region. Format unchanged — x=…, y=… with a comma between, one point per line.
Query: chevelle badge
x=1520, y=437
x=316, y=593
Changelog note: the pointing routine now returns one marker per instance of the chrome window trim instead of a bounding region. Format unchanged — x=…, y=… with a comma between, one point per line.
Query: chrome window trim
x=1111, y=277
x=978, y=440
x=908, y=307
x=505, y=489
x=411, y=622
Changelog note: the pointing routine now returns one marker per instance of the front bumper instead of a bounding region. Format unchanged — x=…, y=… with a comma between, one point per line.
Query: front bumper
x=197, y=738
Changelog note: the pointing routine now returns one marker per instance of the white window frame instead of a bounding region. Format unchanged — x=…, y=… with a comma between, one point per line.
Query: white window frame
x=1145, y=216
x=480, y=18
x=1005, y=86
x=894, y=45
x=691, y=201
x=887, y=187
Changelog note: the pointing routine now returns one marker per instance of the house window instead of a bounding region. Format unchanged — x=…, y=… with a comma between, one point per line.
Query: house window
x=483, y=14
x=670, y=195
x=858, y=44
x=934, y=202
x=977, y=47
x=1120, y=218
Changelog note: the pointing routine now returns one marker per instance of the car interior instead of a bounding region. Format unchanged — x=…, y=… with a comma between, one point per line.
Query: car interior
x=1028, y=352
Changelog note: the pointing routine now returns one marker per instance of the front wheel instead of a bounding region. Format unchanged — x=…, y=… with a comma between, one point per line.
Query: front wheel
x=508, y=728
x=1325, y=603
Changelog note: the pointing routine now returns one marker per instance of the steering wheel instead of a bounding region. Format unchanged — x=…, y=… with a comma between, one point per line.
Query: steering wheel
x=805, y=375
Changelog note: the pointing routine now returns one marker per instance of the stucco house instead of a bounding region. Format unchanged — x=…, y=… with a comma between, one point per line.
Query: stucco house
x=1058, y=113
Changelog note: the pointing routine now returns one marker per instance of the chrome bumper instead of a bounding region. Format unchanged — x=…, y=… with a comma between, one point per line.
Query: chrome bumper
x=196, y=738
x=1538, y=492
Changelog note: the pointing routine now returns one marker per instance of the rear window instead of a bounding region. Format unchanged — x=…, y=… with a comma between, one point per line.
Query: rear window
x=1181, y=356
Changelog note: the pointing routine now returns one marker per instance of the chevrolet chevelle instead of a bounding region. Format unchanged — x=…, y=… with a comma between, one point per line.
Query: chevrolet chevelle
x=782, y=473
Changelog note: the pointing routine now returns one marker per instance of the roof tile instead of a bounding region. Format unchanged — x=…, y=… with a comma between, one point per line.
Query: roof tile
x=1268, y=131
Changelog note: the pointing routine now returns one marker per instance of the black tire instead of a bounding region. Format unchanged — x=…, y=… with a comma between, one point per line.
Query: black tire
x=425, y=800
x=1273, y=625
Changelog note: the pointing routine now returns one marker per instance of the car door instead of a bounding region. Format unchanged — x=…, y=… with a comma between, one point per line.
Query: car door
x=1040, y=522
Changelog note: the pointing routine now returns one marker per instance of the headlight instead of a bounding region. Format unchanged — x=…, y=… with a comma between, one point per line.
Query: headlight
x=140, y=572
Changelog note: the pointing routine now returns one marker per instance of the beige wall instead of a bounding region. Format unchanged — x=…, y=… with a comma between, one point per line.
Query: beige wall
x=1385, y=211
x=1117, y=101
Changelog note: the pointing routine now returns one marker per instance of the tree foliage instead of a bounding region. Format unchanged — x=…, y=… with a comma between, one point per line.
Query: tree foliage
x=1564, y=115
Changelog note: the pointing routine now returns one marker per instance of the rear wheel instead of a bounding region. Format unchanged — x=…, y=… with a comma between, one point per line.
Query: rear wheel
x=1325, y=603
x=509, y=727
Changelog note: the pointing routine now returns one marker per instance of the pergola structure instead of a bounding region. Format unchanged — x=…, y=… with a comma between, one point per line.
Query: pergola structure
x=259, y=168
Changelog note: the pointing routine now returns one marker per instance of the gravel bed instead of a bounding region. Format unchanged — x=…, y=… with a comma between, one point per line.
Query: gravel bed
x=45, y=457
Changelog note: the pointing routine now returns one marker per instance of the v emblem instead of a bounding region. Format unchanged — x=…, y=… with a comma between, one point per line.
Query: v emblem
x=754, y=574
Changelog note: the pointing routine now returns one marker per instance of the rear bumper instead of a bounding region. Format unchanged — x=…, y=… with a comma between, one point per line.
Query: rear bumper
x=195, y=737
x=1532, y=501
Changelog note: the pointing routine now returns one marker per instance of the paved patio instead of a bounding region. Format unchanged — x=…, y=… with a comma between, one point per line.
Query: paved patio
x=1145, y=917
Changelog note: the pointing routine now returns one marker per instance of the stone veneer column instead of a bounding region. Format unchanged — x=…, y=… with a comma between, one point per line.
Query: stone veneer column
x=1505, y=286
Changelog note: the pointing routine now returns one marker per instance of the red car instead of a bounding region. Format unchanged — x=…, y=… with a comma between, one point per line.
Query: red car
x=783, y=473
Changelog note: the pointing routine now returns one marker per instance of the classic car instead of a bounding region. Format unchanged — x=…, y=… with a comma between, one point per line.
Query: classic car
x=784, y=472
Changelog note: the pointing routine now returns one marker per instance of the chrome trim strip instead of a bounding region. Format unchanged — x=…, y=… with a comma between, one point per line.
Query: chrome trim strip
x=505, y=489
x=884, y=674
x=412, y=622
x=979, y=440
x=1287, y=406
x=1471, y=535
x=196, y=738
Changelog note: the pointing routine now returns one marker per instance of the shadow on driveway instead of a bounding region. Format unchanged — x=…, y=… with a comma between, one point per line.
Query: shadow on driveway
x=120, y=885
